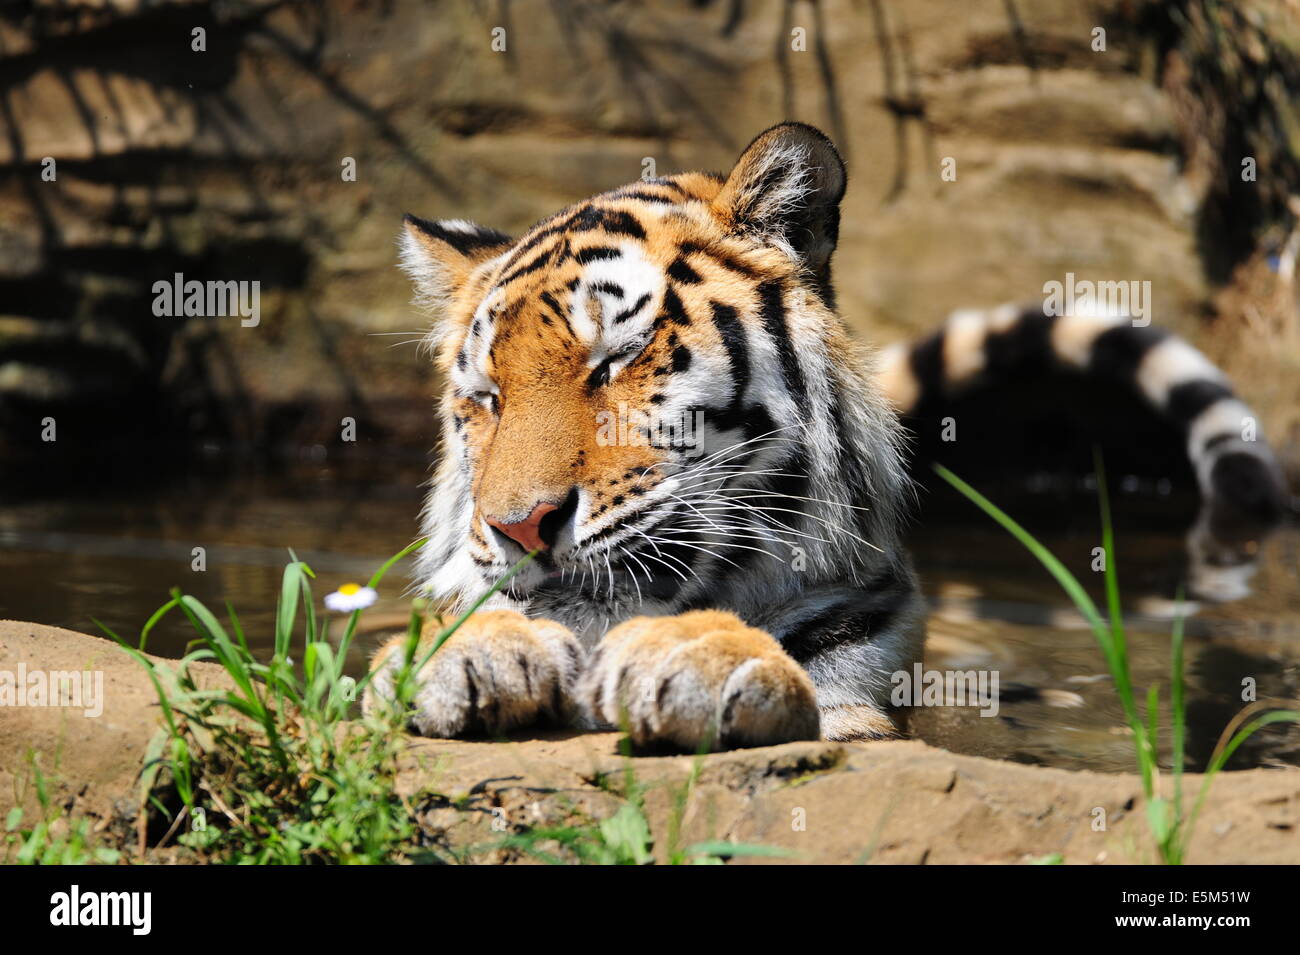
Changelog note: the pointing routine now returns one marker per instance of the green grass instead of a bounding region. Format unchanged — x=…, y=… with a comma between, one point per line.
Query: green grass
x=50, y=838
x=1170, y=819
x=273, y=769
x=279, y=768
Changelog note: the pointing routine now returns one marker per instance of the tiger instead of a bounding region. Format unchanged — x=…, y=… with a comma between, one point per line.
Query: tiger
x=725, y=568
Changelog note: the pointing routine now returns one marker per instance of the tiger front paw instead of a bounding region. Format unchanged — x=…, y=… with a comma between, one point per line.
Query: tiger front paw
x=498, y=672
x=698, y=680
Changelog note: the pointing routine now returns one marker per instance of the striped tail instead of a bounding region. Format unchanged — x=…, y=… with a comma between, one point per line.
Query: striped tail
x=1240, y=482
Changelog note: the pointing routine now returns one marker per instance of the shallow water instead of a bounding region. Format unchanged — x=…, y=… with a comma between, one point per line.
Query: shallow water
x=115, y=555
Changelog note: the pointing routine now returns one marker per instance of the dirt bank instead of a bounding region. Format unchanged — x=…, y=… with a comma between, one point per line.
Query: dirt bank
x=901, y=802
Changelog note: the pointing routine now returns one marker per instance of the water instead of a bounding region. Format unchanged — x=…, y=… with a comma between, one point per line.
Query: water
x=114, y=555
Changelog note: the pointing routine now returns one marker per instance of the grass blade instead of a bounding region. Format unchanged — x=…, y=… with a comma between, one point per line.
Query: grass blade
x=375, y=578
x=1069, y=583
x=1178, y=706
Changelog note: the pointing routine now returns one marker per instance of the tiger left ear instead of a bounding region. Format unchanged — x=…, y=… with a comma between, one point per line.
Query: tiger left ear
x=439, y=256
x=786, y=187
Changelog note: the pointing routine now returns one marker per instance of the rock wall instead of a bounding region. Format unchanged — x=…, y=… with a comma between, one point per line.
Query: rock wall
x=227, y=163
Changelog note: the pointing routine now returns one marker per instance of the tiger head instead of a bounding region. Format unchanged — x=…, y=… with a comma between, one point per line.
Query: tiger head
x=650, y=389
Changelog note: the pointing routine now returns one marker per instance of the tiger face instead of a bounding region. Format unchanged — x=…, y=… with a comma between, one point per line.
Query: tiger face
x=631, y=387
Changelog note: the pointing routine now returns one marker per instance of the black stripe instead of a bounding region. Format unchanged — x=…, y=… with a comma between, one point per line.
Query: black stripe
x=554, y=306
x=599, y=375
x=643, y=196
x=596, y=252
x=1220, y=439
x=851, y=468
x=1023, y=350
x=1188, y=400
x=623, y=223
x=680, y=271
x=543, y=232
x=720, y=256
x=504, y=314
x=772, y=308
x=667, y=184
x=463, y=242
x=732, y=334
x=753, y=420
x=793, y=481
x=526, y=247
x=588, y=218
x=628, y=520
x=1117, y=352
x=472, y=718
x=632, y=309
x=540, y=261
x=926, y=362
x=850, y=621
x=758, y=422
x=672, y=309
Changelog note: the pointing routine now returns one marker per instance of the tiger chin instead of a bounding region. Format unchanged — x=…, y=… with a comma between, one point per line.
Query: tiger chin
x=724, y=567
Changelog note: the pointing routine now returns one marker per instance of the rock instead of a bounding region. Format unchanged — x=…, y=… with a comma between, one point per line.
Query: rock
x=91, y=762
x=892, y=802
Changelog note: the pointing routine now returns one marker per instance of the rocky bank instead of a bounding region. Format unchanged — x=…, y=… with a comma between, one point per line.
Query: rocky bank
x=896, y=802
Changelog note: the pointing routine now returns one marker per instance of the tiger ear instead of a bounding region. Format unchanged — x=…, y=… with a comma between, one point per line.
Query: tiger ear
x=786, y=187
x=439, y=256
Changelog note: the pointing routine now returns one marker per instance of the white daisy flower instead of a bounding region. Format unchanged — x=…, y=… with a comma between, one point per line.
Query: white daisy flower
x=350, y=597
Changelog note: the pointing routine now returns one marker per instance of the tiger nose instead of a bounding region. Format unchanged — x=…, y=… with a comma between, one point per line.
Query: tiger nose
x=528, y=532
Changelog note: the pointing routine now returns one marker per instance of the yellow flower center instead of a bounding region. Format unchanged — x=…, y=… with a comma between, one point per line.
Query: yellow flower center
x=349, y=589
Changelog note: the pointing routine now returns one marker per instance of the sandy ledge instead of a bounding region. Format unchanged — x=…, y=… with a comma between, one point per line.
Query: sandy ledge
x=898, y=802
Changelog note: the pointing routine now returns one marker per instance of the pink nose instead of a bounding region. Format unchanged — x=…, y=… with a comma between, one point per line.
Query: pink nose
x=526, y=533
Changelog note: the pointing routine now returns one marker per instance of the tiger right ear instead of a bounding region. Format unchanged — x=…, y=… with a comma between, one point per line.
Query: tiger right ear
x=439, y=256
x=786, y=187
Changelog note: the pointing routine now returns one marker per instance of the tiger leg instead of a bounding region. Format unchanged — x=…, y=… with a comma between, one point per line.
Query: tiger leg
x=851, y=640
x=701, y=680
x=498, y=672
